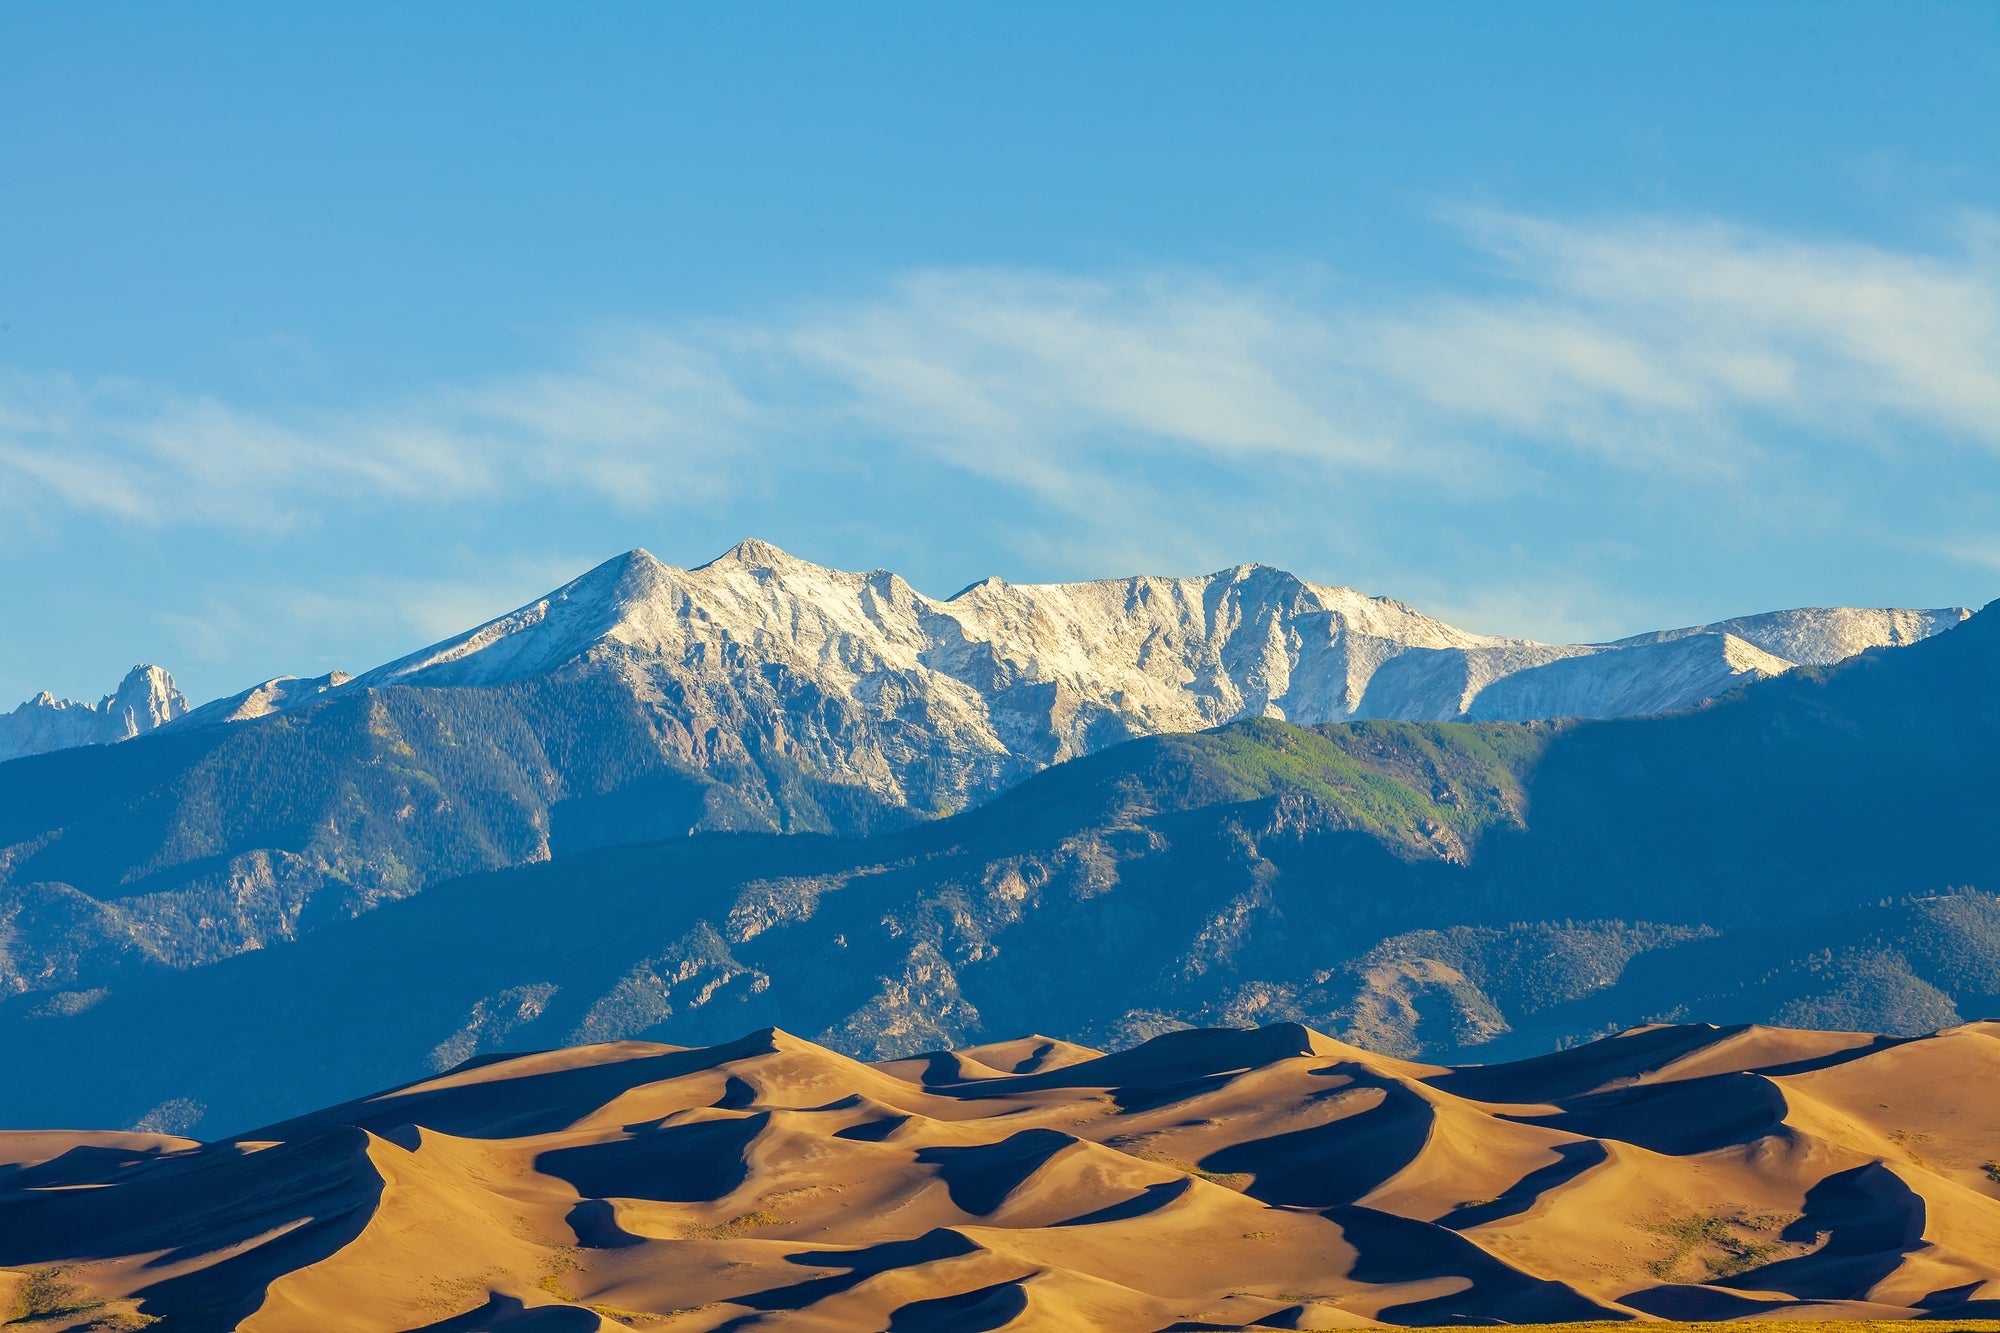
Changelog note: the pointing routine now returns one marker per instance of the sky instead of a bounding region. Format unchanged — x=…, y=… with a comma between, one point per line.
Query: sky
x=327, y=331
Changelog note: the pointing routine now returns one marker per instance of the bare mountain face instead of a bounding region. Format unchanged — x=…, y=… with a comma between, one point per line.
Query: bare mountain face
x=927, y=703
x=145, y=699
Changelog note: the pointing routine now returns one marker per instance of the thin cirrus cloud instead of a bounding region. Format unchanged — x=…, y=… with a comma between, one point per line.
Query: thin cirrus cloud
x=1707, y=330
x=1676, y=349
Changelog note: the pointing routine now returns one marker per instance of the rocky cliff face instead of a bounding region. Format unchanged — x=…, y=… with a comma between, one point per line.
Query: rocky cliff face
x=145, y=699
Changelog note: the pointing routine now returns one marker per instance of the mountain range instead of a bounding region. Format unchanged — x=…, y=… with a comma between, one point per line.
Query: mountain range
x=759, y=692
x=867, y=681
x=1817, y=848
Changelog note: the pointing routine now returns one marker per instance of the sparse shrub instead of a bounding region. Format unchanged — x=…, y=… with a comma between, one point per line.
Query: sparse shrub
x=45, y=1293
x=735, y=1226
x=560, y=1261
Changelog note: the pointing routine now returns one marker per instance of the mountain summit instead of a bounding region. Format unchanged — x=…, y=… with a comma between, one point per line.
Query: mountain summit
x=145, y=699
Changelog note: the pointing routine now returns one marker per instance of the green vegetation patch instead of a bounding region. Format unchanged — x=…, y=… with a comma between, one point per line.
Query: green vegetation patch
x=642, y=1317
x=1727, y=1245
x=562, y=1261
x=736, y=1226
x=1397, y=780
x=43, y=1294
x=1229, y=1180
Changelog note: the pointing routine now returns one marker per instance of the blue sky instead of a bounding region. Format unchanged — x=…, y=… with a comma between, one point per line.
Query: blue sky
x=327, y=330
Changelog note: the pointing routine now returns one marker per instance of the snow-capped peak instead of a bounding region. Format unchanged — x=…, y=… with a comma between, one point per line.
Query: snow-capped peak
x=861, y=678
x=147, y=698
x=752, y=553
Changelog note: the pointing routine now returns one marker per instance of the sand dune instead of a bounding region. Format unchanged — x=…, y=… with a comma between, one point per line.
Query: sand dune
x=1271, y=1178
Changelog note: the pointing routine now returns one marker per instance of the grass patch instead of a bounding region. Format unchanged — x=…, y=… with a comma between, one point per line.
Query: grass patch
x=553, y=1285
x=801, y=1193
x=640, y=1316
x=1727, y=1245
x=44, y=1295
x=1992, y=1170
x=1392, y=779
x=562, y=1261
x=735, y=1226
x=1229, y=1180
x=455, y=1294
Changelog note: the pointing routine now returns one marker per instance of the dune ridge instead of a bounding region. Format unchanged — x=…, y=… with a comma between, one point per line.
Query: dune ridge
x=1222, y=1179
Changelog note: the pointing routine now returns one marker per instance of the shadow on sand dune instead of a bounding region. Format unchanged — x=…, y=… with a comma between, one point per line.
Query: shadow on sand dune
x=687, y=1163
x=506, y=1314
x=1869, y=1220
x=970, y=1312
x=1572, y=1160
x=978, y=1179
x=1397, y=1249
x=769, y=1176
x=1680, y=1118
x=1336, y=1162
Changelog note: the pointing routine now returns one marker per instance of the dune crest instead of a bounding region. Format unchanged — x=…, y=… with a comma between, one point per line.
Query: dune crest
x=1266, y=1178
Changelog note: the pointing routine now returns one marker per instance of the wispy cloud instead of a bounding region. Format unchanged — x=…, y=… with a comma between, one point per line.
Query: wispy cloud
x=1684, y=350
x=1623, y=337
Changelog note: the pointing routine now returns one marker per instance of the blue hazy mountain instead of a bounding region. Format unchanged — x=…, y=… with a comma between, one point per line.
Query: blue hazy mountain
x=1818, y=849
x=759, y=692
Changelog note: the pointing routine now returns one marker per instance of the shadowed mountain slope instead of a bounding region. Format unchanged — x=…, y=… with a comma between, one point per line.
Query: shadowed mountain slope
x=758, y=692
x=1219, y=1179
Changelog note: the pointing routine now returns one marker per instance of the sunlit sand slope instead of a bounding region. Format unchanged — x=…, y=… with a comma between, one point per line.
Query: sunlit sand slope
x=1213, y=1179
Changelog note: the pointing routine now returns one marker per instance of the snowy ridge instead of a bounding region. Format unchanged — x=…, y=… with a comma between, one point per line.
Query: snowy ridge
x=145, y=699
x=859, y=676
x=272, y=696
x=1818, y=635
x=759, y=658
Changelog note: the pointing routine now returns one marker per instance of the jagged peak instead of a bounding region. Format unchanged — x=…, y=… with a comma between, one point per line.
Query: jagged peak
x=143, y=683
x=755, y=553
x=147, y=682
